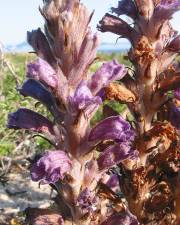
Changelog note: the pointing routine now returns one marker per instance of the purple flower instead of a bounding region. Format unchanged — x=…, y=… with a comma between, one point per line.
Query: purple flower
x=83, y=97
x=86, y=201
x=84, y=100
x=174, y=116
x=125, y=218
x=115, y=128
x=38, y=91
x=41, y=70
x=126, y=7
x=107, y=73
x=28, y=119
x=51, y=167
x=114, y=154
x=177, y=94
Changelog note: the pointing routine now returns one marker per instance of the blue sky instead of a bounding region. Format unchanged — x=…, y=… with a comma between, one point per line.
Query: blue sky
x=19, y=16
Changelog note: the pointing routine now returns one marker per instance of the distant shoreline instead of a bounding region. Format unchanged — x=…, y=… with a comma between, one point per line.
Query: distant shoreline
x=104, y=48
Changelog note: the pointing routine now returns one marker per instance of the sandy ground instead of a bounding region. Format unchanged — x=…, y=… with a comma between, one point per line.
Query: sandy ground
x=19, y=193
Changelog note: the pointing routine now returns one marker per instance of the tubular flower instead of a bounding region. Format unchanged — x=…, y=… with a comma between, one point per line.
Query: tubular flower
x=51, y=167
x=115, y=128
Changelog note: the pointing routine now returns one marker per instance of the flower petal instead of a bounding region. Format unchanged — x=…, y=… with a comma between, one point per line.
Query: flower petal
x=39, y=92
x=115, y=128
x=107, y=73
x=82, y=96
x=41, y=70
x=51, y=167
x=28, y=119
x=84, y=100
x=125, y=218
x=114, y=154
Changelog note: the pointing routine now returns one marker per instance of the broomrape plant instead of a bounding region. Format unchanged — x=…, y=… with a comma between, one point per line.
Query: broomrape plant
x=116, y=172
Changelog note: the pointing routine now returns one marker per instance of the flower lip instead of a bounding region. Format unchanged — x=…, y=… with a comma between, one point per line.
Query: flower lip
x=114, y=154
x=42, y=71
x=115, y=128
x=51, y=167
x=107, y=73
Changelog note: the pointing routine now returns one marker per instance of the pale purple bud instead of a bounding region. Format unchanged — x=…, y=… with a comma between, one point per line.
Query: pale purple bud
x=42, y=71
x=114, y=154
x=115, y=128
x=38, y=41
x=107, y=73
x=30, y=120
x=51, y=167
x=84, y=100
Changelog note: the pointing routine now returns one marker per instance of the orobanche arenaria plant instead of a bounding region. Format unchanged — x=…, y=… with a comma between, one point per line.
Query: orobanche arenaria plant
x=124, y=169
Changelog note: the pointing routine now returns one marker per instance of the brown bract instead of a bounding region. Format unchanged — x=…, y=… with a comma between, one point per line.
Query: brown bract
x=119, y=93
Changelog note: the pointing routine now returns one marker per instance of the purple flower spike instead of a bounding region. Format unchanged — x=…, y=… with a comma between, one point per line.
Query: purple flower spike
x=114, y=154
x=125, y=218
x=41, y=70
x=51, y=167
x=125, y=7
x=115, y=128
x=177, y=94
x=107, y=73
x=27, y=119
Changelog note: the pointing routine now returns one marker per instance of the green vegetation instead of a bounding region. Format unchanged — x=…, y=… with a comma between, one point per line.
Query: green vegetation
x=12, y=74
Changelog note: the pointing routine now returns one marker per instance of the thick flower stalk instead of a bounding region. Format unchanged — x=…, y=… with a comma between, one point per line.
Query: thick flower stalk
x=78, y=165
x=151, y=184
